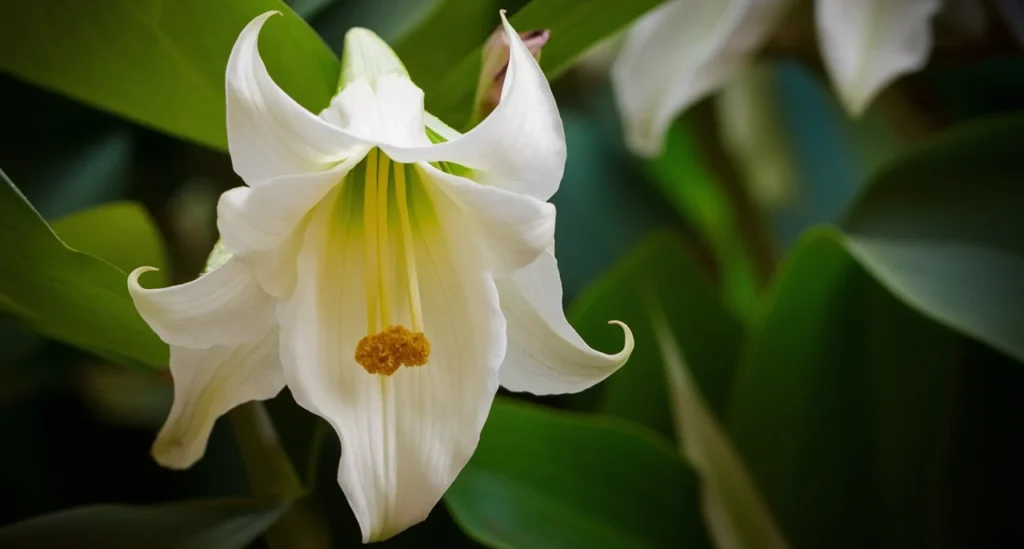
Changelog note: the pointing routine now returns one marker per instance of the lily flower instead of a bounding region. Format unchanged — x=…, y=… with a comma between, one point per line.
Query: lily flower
x=389, y=271
x=684, y=50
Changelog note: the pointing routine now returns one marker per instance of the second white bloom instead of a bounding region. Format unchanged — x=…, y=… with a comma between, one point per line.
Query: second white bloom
x=683, y=50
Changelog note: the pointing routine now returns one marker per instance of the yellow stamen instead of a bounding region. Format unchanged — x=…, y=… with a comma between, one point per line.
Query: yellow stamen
x=388, y=347
x=410, y=257
x=382, y=240
x=370, y=231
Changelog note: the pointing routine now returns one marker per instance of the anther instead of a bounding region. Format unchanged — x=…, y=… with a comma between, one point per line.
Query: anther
x=383, y=353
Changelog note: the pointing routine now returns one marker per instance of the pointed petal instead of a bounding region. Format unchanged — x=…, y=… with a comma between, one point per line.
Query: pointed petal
x=867, y=44
x=262, y=225
x=388, y=111
x=224, y=306
x=269, y=134
x=365, y=56
x=545, y=354
x=252, y=219
x=405, y=437
x=400, y=104
x=678, y=53
x=512, y=229
x=520, y=147
x=207, y=384
x=378, y=101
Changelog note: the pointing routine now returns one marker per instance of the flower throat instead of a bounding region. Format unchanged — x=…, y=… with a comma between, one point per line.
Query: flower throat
x=387, y=346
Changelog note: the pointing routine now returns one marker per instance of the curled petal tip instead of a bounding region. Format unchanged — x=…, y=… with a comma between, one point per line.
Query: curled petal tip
x=133, y=277
x=144, y=269
x=627, y=345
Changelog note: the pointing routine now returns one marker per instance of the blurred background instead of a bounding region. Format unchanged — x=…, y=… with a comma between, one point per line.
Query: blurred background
x=868, y=424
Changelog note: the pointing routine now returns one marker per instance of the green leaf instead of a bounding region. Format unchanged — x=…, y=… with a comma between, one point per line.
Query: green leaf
x=449, y=32
x=841, y=410
x=941, y=229
x=159, y=63
x=542, y=479
x=121, y=233
x=660, y=267
x=66, y=294
x=734, y=511
x=208, y=524
x=575, y=26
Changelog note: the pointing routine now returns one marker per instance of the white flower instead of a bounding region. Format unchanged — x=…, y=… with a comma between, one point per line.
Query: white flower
x=390, y=282
x=685, y=49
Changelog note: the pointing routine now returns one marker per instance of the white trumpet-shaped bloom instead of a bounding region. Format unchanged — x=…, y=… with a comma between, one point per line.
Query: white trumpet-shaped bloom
x=683, y=50
x=389, y=271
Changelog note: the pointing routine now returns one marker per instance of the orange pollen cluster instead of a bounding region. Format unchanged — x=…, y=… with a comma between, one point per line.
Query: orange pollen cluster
x=383, y=353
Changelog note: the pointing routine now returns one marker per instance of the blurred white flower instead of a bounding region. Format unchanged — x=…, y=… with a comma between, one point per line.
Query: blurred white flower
x=386, y=269
x=685, y=49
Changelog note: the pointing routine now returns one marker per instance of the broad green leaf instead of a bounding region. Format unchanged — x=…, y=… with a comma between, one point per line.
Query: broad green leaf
x=575, y=26
x=841, y=408
x=209, y=524
x=121, y=233
x=66, y=294
x=659, y=268
x=159, y=63
x=308, y=9
x=734, y=511
x=941, y=229
x=542, y=479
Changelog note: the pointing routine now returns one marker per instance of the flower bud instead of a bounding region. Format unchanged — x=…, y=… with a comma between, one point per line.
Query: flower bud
x=495, y=64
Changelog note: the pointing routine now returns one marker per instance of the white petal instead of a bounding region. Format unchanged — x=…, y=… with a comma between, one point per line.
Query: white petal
x=520, y=147
x=512, y=229
x=404, y=438
x=224, y=306
x=366, y=56
x=401, y=112
x=354, y=110
x=867, y=44
x=678, y=53
x=207, y=384
x=260, y=218
x=545, y=354
x=269, y=134
x=262, y=225
x=388, y=111
x=438, y=126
